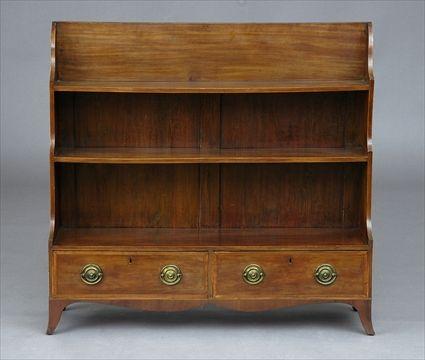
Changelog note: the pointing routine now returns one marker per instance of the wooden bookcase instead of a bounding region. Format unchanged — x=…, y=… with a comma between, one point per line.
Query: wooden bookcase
x=210, y=163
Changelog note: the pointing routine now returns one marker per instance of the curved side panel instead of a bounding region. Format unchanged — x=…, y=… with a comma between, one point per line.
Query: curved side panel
x=369, y=133
x=52, y=229
x=370, y=52
x=53, y=53
x=52, y=131
x=368, y=205
x=371, y=86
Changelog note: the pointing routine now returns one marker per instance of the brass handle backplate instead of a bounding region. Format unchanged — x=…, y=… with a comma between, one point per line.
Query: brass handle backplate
x=91, y=274
x=253, y=274
x=171, y=275
x=325, y=274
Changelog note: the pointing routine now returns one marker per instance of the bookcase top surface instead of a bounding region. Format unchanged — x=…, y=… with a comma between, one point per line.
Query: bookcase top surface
x=328, y=56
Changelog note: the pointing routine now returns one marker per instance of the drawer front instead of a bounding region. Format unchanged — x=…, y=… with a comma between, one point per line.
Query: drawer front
x=285, y=274
x=130, y=274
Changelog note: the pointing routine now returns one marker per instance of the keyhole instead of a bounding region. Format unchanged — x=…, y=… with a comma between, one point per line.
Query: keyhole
x=290, y=260
x=130, y=260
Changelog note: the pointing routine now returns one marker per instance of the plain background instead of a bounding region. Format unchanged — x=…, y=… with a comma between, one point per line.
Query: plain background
x=321, y=331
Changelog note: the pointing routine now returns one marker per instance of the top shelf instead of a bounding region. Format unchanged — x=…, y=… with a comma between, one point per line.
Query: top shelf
x=211, y=58
x=212, y=86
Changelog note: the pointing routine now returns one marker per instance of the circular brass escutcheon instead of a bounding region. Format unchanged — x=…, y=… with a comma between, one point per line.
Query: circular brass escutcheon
x=91, y=274
x=171, y=275
x=253, y=274
x=325, y=274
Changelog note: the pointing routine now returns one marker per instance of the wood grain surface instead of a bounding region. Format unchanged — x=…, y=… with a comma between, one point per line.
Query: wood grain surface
x=210, y=52
x=211, y=147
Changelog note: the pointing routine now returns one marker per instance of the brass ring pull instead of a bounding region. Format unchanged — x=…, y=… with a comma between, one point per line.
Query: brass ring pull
x=325, y=274
x=253, y=274
x=91, y=274
x=171, y=275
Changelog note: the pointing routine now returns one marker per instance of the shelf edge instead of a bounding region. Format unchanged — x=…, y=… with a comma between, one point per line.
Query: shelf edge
x=212, y=87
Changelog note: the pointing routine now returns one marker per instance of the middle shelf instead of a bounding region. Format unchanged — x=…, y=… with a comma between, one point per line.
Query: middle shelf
x=127, y=155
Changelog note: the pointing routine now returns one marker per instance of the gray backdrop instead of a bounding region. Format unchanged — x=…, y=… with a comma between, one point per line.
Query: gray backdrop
x=88, y=331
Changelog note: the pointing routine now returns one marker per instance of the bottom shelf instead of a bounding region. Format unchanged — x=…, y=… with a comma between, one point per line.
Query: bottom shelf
x=162, y=239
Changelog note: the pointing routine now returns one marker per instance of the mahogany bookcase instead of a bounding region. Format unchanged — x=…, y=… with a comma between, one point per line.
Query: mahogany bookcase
x=210, y=163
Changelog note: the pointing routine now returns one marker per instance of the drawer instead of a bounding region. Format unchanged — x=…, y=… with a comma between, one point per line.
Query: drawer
x=285, y=274
x=141, y=274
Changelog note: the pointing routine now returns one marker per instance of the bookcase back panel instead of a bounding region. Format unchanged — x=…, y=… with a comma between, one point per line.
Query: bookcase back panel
x=132, y=120
x=311, y=120
x=227, y=196
x=210, y=52
x=129, y=196
x=292, y=195
x=293, y=120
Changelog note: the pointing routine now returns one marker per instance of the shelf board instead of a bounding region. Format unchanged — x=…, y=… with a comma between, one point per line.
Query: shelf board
x=213, y=86
x=193, y=155
x=163, y=239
